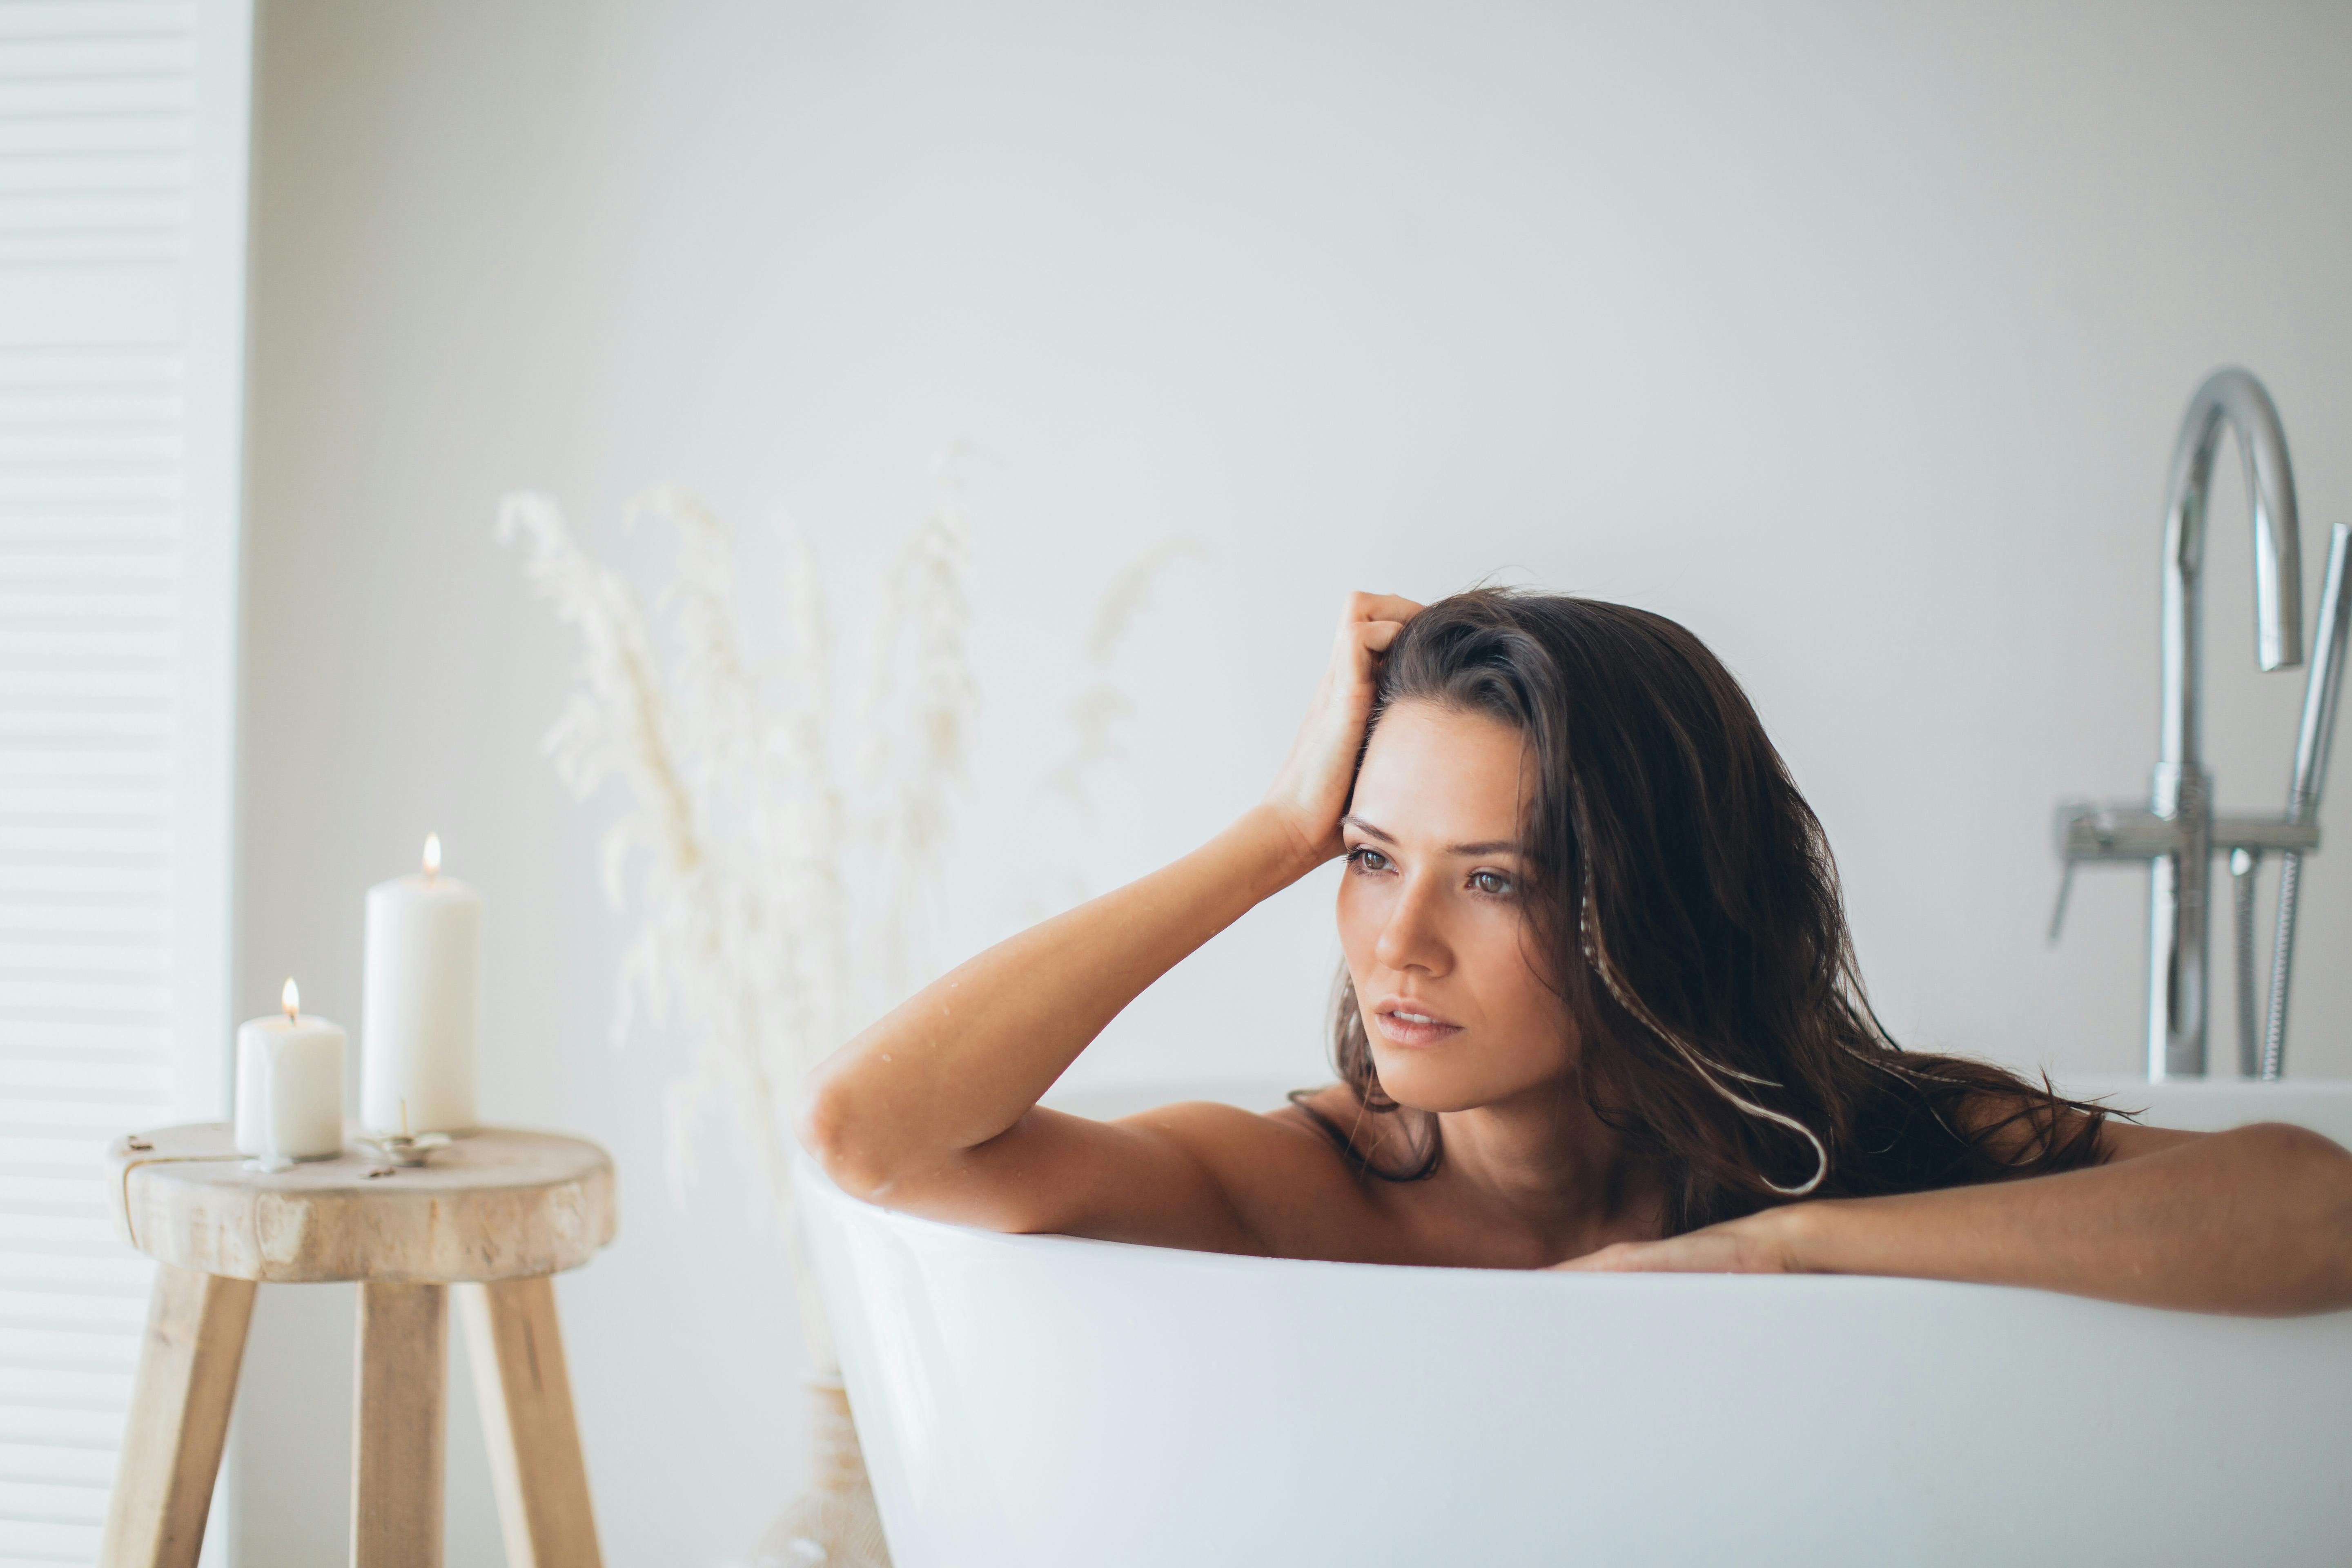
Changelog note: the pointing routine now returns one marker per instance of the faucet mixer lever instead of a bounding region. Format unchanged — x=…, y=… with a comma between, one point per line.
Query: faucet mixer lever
x=2065, y=887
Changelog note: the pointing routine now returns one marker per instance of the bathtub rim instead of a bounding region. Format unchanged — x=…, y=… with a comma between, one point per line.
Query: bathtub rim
x=2225, y=1095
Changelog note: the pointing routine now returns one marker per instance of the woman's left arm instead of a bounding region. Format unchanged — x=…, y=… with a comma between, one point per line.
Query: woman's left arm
x=2257, y=1221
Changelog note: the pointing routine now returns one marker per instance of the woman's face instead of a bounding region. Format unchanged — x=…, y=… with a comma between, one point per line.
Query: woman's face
x=1430, y=913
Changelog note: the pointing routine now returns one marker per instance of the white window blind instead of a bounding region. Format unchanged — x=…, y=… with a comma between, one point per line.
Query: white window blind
x=122, y=148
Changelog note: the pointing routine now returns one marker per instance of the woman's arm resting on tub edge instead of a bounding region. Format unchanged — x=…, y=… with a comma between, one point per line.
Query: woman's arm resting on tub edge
x=2257, y=1220
x=934, y=1109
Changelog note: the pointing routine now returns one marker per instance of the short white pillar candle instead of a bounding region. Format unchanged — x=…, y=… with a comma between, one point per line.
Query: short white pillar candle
x=420, y=1002
x=290, y=1087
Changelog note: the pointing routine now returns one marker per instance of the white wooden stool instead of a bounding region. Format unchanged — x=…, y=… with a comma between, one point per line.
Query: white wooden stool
x=494, y=1213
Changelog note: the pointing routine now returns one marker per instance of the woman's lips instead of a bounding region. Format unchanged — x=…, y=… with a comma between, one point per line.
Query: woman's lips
x=1409, y=1026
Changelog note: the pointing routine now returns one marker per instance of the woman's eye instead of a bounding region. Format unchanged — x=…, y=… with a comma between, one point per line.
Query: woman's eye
x=1364, y=858
x=1493, y=883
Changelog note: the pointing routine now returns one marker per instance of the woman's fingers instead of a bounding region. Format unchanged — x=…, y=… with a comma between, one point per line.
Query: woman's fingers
x=1377, y=607
x=1735, y=1246
x=1619, y=1258
x=1369, y=624
x=1313, y=786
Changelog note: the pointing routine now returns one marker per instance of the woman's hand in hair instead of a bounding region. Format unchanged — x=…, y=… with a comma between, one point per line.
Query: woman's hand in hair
x=1755, y=1244
x=1310, y=793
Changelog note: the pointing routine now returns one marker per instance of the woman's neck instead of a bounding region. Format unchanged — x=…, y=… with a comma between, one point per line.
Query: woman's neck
x=1543, y=1163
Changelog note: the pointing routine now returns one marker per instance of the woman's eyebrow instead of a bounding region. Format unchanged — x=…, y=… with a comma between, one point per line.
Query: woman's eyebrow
x=1487, y=847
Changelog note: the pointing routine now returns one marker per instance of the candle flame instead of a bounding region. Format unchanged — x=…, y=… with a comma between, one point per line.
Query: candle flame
x=432, y=855
x=291, y=999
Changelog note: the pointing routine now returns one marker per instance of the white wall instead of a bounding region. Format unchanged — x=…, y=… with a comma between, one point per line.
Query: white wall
x=1853, y=337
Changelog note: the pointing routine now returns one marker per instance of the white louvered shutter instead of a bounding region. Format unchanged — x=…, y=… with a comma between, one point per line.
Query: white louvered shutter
x=122, y=148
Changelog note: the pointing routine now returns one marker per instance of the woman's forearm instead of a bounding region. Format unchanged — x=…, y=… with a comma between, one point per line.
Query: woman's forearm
x=962, y=1060
x=2254, y=1221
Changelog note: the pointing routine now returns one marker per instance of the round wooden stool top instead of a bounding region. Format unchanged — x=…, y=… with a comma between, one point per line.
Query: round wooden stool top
x=495, y=1204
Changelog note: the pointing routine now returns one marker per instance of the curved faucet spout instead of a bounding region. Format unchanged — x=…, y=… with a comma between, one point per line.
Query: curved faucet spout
x=2179, y=882
x=2230, y=397
x=2178, y=835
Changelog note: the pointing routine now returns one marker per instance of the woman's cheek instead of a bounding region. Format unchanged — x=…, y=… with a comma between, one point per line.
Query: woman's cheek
x=1525, y=1010
x=1359, y=923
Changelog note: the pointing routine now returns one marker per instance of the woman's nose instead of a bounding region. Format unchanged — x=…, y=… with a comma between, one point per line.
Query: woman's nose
x=1410, y=937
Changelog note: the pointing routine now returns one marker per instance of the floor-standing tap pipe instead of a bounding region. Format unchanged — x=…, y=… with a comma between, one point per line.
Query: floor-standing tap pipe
x=2320, y=691
x=2179, y=882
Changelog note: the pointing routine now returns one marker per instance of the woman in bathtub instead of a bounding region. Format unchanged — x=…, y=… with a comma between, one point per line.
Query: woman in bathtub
x=1599, y=1012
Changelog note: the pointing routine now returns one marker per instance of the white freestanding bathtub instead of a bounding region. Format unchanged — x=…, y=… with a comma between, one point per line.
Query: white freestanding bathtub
x=1050, y=1401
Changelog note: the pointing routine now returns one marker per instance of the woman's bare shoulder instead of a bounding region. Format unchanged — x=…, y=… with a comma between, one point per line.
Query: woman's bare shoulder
x=1293, y=1188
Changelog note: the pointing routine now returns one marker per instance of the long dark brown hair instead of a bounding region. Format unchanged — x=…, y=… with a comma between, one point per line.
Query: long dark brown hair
x=1680, y=899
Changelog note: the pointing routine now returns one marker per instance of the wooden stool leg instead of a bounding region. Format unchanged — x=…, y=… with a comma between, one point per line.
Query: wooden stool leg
x=516, y=1355
x=396, y=1448
x=179, y=1419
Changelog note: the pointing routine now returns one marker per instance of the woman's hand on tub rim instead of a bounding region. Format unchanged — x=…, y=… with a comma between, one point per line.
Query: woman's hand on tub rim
x=1762, y=1242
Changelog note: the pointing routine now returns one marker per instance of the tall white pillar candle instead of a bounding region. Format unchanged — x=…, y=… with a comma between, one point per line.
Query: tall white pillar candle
x=289, y=1085
x=420, y=1002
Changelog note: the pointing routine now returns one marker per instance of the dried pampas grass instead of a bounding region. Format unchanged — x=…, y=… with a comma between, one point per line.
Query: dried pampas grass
x=742, y=826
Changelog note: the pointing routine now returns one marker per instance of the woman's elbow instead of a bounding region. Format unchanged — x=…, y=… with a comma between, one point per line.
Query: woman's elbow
x=2312, y=1176
x=837, y=1134
x=2306, y=1161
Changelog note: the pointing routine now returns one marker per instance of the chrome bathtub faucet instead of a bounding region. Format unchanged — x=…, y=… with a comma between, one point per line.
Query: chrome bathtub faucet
x=2177, y=834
